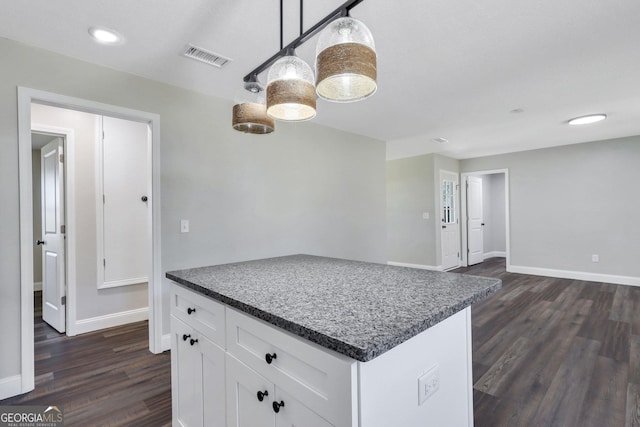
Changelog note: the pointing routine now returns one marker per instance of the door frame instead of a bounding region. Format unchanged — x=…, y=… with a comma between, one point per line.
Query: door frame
x=464, y=213
x=26, y=96
x=68, y=136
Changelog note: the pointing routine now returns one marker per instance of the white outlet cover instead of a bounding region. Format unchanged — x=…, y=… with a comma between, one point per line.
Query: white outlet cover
x=425, y=215
x=595, y=258
x=184, y=225
x=428, y=384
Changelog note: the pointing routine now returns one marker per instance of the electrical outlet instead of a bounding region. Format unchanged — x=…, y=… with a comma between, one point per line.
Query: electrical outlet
x=184, y=225
x=428, y=384
x=595, y=258
x=425, y=215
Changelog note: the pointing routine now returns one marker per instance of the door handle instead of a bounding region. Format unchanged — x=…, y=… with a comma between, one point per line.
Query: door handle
x=144, y=198
x=444, y=226
x=40, y=242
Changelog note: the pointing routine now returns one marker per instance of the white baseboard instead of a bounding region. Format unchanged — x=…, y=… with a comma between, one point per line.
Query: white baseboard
x=37, y=286
x=110, y=320
x=420, y=266
x=166, y=342
x=10, y=386
x=576, y=275
x=494, y=254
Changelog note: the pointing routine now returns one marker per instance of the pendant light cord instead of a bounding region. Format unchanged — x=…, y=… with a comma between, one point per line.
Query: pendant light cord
x=301, y=25
x=281, y=31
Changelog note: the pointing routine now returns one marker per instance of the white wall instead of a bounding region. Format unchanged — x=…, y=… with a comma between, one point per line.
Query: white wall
x=90, y=302
x=304, y=189
x=413, y=187
x=570, y=202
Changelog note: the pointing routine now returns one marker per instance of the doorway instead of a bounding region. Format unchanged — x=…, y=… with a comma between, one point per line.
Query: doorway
x=26, y=96
x=49, y=201
x=485, y=216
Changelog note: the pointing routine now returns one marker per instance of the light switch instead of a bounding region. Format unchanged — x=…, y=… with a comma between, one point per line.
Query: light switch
x=184, y=225
x=595, y=258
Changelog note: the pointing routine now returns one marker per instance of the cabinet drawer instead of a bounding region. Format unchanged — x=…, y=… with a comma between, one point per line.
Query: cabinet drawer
x=322, y=380
x=199, y=312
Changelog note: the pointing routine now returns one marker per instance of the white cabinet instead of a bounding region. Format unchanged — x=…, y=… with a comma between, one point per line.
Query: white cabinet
x=253, y=401
x=197, y=366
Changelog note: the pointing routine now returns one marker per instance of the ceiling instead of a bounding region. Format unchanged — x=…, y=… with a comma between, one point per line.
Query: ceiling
x=446, y=68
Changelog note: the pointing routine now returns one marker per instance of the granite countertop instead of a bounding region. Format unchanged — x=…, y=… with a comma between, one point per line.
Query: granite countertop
x=355, y=308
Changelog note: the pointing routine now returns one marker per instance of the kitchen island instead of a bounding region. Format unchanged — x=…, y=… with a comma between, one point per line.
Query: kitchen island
x=325, y=341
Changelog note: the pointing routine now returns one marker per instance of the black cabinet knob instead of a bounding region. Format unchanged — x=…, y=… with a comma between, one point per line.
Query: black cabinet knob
x=277, y=406
x=269, y=357
x=192, y=341
x=262, y=394
x=191, y=310
x=185, y=336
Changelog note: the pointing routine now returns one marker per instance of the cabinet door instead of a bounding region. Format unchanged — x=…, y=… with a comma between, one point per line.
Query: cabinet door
x=294, y=413
x=186, y=370
x=244, y=409
x=198, y=378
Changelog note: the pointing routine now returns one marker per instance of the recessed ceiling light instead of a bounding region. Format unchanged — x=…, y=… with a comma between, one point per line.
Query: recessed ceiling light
x=585, y=120
x=106, y=36
x=440, y=140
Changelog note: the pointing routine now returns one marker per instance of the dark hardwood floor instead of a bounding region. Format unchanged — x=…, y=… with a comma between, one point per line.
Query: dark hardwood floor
x=555, y=352
x=546, y=352
x=104, y=378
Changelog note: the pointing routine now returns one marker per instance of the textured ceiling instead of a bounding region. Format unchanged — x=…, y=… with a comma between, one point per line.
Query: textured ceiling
x=447, y=68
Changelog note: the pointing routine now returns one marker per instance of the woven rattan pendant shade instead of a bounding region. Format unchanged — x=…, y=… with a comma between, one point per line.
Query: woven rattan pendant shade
x=346, y=61
x=291, y=95
x=250, y=111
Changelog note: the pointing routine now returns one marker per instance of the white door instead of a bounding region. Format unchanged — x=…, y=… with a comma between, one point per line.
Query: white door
x=52, y=240
x=125, y=231
x=475, y=225
x=450, y=231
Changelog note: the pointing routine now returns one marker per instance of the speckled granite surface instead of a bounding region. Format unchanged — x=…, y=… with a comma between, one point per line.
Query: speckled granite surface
x=355, y=308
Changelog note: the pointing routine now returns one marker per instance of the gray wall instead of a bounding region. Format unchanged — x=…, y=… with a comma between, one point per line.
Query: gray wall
x=493, y=205
x=413, y=187
x=90, y=301
x=305, y=188
x=37, y=215
x=570, y=202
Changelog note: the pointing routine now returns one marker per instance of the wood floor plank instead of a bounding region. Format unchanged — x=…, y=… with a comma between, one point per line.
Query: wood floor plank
x=582, y=364
x=632, y=415
x=106, y=378
x=500, y=372
x=606, y=397
x=563, y=401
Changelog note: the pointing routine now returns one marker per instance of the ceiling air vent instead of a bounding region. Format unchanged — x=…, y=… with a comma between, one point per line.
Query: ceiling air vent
x=205, y=56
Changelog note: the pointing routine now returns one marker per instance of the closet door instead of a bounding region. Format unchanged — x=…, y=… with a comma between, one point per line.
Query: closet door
x=124, y=224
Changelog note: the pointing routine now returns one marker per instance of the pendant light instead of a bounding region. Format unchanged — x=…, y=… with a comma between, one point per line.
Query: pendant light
x=346, y=63
x=291, y=95
x=250, y=110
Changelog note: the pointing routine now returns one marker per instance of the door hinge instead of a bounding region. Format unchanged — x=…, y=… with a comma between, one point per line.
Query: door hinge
x=104, y=262
x=63, y=229
x=458, y=255
x=103, y=199
x=61, y=158
x=63, y=300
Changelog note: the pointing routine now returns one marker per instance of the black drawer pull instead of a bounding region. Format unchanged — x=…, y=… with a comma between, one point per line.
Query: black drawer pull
x=191, y=310
x=277, y=406
x=270, y=357
x=262, y=394
x=192, y=341
x=185, y=336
